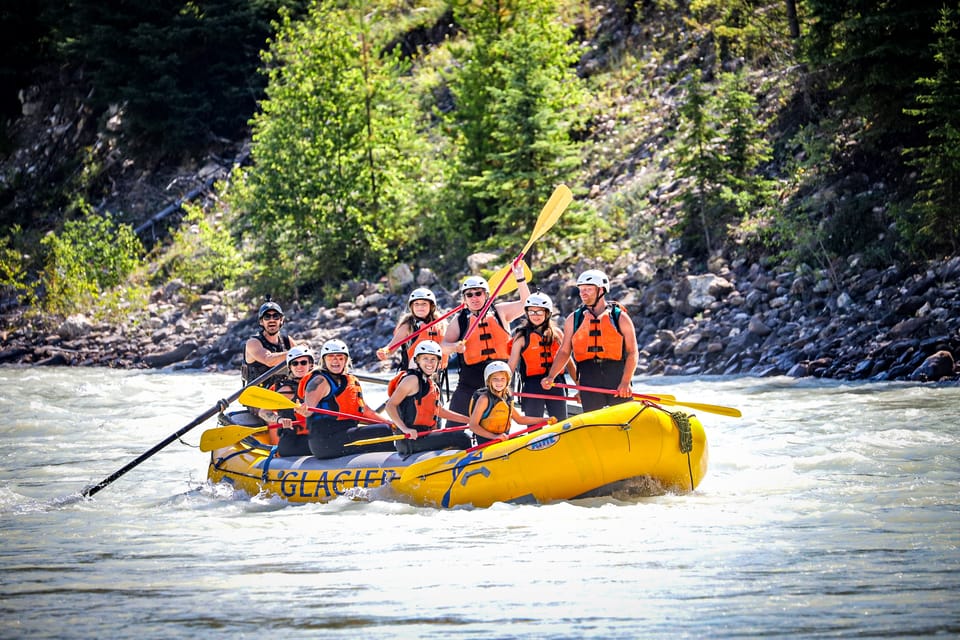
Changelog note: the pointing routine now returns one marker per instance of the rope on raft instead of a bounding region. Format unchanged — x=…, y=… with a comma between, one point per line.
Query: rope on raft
x=682, y=421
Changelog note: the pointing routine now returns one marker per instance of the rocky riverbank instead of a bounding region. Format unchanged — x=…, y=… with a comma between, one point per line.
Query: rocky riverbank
x=898, y=323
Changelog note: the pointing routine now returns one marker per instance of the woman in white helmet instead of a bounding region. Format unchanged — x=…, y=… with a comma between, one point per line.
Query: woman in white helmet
x=603, y=342
x=489, y=342
x=422, y=312
x=415, y=405
x=291, y=437
x=333, y=389
x=533, y=350
x=491, y=408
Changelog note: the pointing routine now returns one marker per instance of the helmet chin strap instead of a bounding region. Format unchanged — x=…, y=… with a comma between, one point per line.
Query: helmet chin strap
x=600, y=295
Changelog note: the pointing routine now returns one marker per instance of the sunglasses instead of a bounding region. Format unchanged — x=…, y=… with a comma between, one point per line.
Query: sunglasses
x=272, y=316
x=536, y=312
x=472, y=294
x=301, y=363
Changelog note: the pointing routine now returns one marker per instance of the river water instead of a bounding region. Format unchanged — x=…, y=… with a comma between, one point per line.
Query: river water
x=830, y=510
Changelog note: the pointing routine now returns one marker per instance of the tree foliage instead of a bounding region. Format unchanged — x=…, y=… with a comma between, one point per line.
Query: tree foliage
x=933, y=223
x=183, y=71
x=338, y=165
x=518, y=101
x=720, y=149
x=203, y=253
x=873, y=52
x=86, y=260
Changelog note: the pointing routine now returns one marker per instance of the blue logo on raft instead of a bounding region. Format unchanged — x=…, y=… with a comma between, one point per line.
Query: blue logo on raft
x=544, y=442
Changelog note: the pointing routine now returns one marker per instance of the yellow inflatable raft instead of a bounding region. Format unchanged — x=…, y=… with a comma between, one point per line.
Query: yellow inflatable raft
x=592, y=454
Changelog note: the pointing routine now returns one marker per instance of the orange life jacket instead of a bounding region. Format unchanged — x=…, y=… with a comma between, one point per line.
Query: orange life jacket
x=489, y=341
x=497, y=417
x=430, y=334
x=422, y=409
x=538, y=356
x=345, y=394
x=596, y=339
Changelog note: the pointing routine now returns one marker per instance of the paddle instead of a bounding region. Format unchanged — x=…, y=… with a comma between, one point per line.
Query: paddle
x=213, y=439
x=94, y=489
x=399, y=436
x=499, y=279
x=362, y=377
x=543, y=396
x=664, y=399
x=266, y=399
x=548, y=217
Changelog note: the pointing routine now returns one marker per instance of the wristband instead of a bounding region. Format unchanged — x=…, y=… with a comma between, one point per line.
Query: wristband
x=519, y=280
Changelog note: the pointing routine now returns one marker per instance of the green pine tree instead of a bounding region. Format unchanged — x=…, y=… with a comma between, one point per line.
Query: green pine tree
x=518, y=100
x=338, y=170
x=933, y=223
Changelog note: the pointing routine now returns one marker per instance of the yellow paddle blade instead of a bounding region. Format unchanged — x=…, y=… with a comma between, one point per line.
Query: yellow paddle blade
x=709, y=408
x=511, y=283
x=220, y=437
x=357, y=443
x=265, y=399
x=663, y=396
x=550, y=214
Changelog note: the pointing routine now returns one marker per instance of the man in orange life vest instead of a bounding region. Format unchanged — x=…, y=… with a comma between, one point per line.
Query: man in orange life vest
x=601, y=337
x=489, y=342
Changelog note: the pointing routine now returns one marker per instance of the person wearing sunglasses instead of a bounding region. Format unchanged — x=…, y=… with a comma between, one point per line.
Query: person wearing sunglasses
x=488, y=342
x=268, y=347
x=533, y=350
x=291, y=437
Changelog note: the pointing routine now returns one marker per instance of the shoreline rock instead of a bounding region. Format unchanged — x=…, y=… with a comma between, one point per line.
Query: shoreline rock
x=899, y=323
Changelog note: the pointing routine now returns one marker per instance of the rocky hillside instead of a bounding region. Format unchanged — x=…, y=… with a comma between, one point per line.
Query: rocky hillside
x=899, y=323
x=736, y=317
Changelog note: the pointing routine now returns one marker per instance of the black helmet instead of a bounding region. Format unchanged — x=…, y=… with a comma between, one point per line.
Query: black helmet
x=268, y=306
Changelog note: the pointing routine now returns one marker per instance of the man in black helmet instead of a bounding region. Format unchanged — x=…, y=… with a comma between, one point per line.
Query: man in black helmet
x=268, y=347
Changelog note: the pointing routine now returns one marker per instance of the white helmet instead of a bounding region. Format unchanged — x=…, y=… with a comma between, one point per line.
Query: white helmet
x=422, y=294
x=334, y=346
x=595, y=277
x=297, y=351
x=539, y=300
x=474, y=282
x=495, y=367
x=428, y=347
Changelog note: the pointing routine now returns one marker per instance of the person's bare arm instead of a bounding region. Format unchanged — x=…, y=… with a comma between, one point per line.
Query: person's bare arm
x=407, y=387
x=563, y=355
x=256, y=352
x=625, y=389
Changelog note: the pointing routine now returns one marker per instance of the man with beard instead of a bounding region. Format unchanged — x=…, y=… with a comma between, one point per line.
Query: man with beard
x=268, y=347
x=600, y=336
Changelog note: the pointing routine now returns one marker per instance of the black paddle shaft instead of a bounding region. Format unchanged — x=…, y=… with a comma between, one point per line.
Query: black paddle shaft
x=91, y=490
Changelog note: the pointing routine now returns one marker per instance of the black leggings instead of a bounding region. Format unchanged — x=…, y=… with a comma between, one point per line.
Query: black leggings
x=435, y=442
x=603, y=374
x=293, y=444
x=534, y=407
x=328, y=438
x=471, y=379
